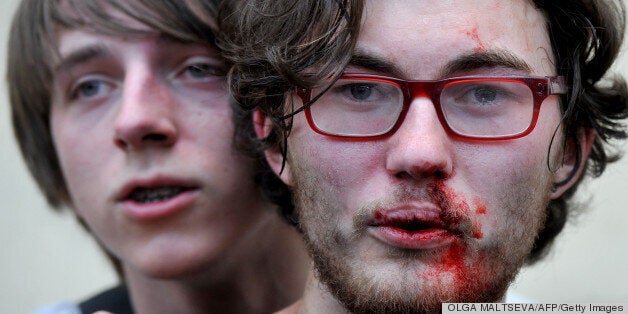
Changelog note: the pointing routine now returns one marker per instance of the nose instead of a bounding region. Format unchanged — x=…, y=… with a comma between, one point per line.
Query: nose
x=420, y=148
x=146, y=112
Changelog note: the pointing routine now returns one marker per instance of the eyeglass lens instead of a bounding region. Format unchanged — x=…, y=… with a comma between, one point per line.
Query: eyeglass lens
x=476, y=108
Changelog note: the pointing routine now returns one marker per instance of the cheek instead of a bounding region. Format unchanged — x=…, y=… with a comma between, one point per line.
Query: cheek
x=82, y=156
x=333, y=174
x=504, y=178
x=502, y=165
x=206, y=138
x=338, y=163
x=67, y=145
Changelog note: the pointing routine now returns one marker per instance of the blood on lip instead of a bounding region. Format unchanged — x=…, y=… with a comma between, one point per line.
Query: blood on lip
x=455, y=208
x=455, y=214
x=409, y=221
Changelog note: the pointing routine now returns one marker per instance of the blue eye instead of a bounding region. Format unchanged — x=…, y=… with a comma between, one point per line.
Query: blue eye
x=88, y=89
x=199, y=70
x=485, y=95
x=203, y=70
x=470, y=94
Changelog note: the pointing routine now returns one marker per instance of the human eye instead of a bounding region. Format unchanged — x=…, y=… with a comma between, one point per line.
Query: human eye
x=199, y=68
x=359, y=92
x=90, y=88
x=481, y=94
x=356, y=91
x=484, y=95
x=362, y=93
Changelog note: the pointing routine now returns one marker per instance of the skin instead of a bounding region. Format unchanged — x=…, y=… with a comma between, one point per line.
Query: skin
x=498, y=189
x=138, y=112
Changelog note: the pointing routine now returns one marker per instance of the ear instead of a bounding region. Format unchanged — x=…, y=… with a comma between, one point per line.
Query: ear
x=263, y=128
x=574, y=160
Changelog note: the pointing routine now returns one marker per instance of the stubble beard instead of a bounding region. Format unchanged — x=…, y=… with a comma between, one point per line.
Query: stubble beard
x=352, y=281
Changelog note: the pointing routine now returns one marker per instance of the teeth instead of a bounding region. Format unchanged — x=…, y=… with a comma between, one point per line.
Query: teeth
x=144, y=195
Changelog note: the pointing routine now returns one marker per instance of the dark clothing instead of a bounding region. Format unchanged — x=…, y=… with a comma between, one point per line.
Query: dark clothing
x=115, y=300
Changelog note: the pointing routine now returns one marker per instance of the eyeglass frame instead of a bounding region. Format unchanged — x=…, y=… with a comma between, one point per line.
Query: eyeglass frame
x=545, y=86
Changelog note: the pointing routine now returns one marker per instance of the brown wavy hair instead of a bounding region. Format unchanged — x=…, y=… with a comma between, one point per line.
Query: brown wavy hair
x=33, y=53
x=273, y=43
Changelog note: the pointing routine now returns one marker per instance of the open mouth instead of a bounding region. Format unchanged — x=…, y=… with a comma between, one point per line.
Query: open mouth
x=153, y=195
x=415, y=230
x=414, y=225
x=410, y=221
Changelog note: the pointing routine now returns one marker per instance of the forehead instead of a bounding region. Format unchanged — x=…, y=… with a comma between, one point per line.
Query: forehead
x=80, y=50
x=421, y=36
x=185, y=20
x=102, y=16
x=79, y=23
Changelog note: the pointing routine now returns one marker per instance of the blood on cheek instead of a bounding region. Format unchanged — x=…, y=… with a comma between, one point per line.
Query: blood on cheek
x=480, y=209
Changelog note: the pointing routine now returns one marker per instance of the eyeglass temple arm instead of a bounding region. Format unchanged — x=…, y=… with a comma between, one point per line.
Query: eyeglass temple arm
x=557, y=85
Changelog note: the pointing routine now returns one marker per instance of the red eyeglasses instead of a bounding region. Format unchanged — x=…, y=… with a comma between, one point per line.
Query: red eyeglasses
x=371, y=106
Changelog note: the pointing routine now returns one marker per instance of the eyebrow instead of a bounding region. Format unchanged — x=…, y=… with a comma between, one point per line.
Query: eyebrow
x=80, y=56
x=97, y=50
x=165, y=40
x=485, y=60
x=463, y=63
x=374, y=63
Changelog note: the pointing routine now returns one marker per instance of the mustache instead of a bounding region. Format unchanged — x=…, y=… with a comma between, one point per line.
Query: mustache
x=455, y=210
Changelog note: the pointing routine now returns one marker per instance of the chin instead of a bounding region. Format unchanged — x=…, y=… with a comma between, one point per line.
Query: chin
x=171, y=264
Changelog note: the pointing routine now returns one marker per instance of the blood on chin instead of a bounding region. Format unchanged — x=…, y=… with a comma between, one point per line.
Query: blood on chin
x=411, y=279
x=452, y=264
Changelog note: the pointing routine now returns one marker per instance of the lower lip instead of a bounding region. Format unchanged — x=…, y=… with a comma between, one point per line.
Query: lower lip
x=161, y=209
x=415, y=240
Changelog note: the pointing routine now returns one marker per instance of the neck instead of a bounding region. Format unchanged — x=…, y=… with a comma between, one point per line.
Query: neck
x=263, y=275
x=316, y=299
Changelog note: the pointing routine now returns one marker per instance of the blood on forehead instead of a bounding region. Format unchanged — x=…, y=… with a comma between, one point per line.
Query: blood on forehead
x=474, y=35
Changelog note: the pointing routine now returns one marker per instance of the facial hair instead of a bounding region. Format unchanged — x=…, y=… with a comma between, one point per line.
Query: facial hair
x=413, y=281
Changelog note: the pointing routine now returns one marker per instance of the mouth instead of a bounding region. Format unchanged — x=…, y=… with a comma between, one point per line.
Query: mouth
x=158, y=197
x=412, y=219
x=144, y=195
x=414, y=225
x=413, y=229
x=154, y=190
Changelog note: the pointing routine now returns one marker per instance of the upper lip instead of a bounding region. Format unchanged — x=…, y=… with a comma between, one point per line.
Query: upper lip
x=153, y=182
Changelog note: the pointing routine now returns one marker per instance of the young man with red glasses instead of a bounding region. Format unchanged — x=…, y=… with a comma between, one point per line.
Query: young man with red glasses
x=431, y=146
